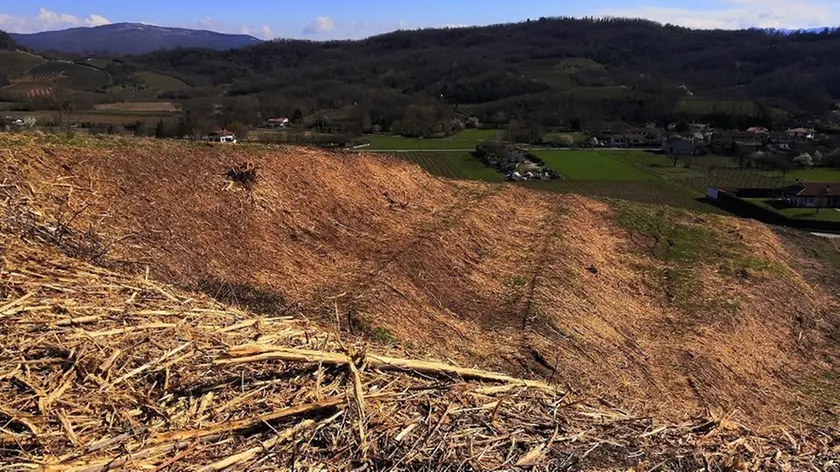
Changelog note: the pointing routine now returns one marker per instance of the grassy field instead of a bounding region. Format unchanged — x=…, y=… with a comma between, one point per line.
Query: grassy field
x=592, y=166
x=162, y=107
x=71, y=76
x=456, y=165
x=161, y=82
x=817, y=175
x=653, y=192
x=466, y=139
x=809, y=214
x=17, y=63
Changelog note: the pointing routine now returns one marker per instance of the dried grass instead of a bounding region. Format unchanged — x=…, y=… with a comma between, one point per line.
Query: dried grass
x=103, y=372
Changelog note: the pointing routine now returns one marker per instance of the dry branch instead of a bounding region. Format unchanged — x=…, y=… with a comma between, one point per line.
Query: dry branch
x=258, y=353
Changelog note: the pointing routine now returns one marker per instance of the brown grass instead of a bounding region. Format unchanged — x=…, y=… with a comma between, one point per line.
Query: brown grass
x=538, y=286
x=102, y=371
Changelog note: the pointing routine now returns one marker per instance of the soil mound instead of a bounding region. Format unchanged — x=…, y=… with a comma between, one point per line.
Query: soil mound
x=650, y=309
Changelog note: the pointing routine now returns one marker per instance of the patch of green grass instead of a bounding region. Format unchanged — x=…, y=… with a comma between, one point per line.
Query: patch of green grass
x=669, y=240
x=71, y=76
x=398, y=143
x=816, y=175
x=452, y=164
x=795, y=213
x=466, y=139
x=163, y=83
x=16, y=63
x=382, y=335
x=476, y=135
x=655, y=192
x=517, y=281
x=662, y=165
x=591, y=166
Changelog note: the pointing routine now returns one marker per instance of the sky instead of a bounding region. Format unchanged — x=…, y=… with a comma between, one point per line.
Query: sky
x=338, y=19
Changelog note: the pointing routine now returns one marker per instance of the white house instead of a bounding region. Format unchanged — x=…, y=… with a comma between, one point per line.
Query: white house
x=221, y=136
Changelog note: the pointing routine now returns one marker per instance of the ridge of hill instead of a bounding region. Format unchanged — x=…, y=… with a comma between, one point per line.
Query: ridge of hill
x=105, y=371
x=130, y=38
x=649, y=308
x=617, y=63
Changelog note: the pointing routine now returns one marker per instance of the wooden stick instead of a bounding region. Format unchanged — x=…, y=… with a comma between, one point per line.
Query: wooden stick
x=145, y=367
x=246, y=423
x=265, y=446
x=143, y=327
x=14, y=303
x=359, y=397
x=257, y=353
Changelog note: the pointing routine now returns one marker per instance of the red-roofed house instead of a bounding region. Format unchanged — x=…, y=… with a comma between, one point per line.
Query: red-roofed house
x=813, y=194
x=277, y=122
x=801, y=133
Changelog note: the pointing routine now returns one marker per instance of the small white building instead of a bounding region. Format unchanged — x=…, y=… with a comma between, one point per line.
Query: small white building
x=221, y=136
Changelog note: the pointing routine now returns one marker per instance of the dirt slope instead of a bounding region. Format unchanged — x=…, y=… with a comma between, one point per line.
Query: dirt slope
x=104, y=371
x=649, y=309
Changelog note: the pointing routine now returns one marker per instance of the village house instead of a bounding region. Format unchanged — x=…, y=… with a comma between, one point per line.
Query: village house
x=801, y=133
x=221, y=136
x=277, y=122
x=813, y=194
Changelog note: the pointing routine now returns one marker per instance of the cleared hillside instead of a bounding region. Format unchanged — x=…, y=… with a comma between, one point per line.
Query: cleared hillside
x=103, y=371
x=644, y=308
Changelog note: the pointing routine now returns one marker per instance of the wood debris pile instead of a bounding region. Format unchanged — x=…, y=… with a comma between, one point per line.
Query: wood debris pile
x=106, y=372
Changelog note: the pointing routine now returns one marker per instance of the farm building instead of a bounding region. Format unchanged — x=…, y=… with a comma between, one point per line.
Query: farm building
x=813, y=195
x=277, y=122
x=221, y=136
x=801, y=133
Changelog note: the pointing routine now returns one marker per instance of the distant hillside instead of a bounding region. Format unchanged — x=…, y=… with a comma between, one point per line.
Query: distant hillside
x=6, y=42
x=558, y=72
x=129, y=38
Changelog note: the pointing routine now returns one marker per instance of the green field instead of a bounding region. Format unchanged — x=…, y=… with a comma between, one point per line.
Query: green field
x=456, y=165
x=653, y=192
x=16, y=63
x=464, y=140
x=163, y=83
x=794, y=213
x=816, y=175
x=71, y=76
x=592, y=166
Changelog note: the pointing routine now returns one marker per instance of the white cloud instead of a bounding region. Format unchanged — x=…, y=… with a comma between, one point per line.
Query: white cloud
x=47, y=19
x=455, y=25
x=737, y=14
x=322, y=24
x=97, y=20
x=265, y=32
x=50, y=17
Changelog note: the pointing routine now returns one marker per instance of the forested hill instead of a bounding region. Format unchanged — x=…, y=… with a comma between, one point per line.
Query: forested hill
x=483, y=64
x=6, y=42
x=553, y=73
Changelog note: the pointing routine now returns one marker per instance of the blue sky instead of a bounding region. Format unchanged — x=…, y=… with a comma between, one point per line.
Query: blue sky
x=330, y=19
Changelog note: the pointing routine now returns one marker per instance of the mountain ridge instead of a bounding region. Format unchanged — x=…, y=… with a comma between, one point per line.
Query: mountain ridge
x=130, y=38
